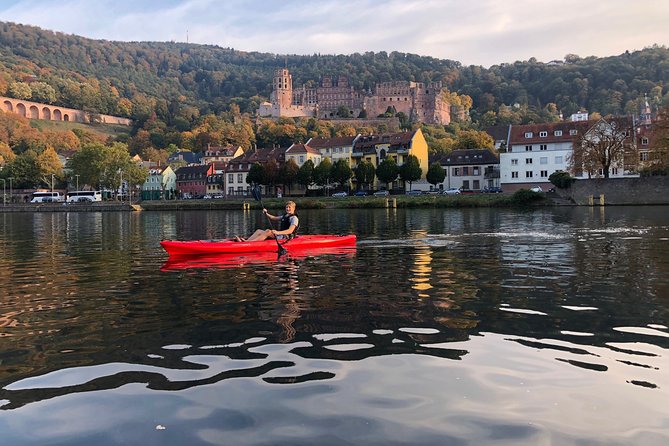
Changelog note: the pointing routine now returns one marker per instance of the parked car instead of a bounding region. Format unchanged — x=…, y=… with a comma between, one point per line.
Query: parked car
x=536, y=189
x=381, y=193
x=492, y=190
x=339, y=195
x=452, y=191
x=360, y=193
x=413, y=192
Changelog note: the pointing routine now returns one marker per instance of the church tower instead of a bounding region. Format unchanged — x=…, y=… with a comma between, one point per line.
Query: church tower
x=282, y=88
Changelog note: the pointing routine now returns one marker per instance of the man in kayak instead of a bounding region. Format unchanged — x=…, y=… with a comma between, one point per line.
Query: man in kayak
x=288, y=224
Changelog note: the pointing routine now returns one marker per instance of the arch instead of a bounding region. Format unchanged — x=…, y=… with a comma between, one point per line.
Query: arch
x=46, y=113
x=66, y=117
x=8, y=106
x=34, y=112
x=57, y=115
x=21, y=109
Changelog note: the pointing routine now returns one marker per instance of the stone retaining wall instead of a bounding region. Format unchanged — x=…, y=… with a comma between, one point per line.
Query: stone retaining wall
x=619, y=191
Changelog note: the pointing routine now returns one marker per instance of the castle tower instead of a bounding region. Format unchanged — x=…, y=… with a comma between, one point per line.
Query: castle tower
x=283, y=88
x=646, y=113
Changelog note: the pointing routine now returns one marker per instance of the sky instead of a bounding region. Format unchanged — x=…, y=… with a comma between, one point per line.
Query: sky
x=472, y=32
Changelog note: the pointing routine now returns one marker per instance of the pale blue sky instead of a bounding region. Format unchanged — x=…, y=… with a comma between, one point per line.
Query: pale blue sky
x=479, y=32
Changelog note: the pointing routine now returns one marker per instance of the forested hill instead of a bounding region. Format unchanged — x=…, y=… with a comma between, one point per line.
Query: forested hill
x=125, y=78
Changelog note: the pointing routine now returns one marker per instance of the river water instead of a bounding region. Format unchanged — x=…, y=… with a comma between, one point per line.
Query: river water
x=458, y=327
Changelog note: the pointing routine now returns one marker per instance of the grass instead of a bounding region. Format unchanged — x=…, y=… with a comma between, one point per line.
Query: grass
x=105, y=130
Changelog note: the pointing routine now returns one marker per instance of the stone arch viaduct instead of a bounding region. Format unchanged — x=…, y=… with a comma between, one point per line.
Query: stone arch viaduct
x=35, y=110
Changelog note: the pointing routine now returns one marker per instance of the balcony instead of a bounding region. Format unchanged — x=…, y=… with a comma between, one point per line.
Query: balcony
x=491, y=173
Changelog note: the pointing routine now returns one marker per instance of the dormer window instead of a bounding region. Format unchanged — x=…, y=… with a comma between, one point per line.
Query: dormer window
x=543, y=134
x=644, y=141
x=528, y=134
x=573, y=132
x=557, y=133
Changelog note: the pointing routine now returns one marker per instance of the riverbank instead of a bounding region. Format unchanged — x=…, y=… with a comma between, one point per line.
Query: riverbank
x=370, y=202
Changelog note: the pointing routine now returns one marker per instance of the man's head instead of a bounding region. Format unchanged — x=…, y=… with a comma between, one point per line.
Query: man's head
x=290, y=207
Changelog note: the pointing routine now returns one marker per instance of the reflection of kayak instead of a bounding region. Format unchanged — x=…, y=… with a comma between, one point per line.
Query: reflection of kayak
x=234, y=260
x=302, y=242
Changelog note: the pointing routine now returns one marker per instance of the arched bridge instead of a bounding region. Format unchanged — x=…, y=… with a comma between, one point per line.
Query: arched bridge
x=35, y=110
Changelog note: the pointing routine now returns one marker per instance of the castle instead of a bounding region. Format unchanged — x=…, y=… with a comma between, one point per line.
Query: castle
x=419, y=101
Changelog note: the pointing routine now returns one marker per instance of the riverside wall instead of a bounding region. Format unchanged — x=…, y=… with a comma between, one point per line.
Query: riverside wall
x=619, y=191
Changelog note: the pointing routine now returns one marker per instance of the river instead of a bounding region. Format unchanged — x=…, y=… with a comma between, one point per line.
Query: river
x=458, y=327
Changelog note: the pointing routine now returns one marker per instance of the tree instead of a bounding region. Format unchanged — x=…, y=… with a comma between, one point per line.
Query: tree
x=561, y=179
x=410, y=171
x=473, y=139
x=387, y=171
x=20, y=90
x=6, y=154
x=256, y=175
x=341, y=173
x=605, y=144
x=659, y=149
x=25, y=170
x=288, y=173
x=435, y=174
x=305, y=174
x=43, y=92
x=364, y=173
x=50, y=164
x=323, y=173
x=344, y=112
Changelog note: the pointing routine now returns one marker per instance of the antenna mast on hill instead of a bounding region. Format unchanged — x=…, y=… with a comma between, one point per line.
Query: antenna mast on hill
x=186, y=36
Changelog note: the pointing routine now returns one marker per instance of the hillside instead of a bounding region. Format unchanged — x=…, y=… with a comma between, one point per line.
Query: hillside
x=131, y=79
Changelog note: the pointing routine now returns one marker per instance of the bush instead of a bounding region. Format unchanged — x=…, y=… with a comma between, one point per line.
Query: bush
x=561, y=180
x=524, y=197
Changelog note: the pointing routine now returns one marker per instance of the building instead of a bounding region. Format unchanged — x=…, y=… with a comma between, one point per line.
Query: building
x=470, y=170
x=420, y=102
x=160, y=184
x=215, y=154
x=375, y=148
x=301, y=153
x=334, y=148
x=191, y=181
x=238, y=169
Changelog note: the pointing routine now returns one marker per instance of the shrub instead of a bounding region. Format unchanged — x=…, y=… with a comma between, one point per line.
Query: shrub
x=561, y=179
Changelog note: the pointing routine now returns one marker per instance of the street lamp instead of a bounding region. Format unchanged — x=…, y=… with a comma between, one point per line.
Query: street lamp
x=121, y=185
x=11, y=194
x=52, y=175
x=77, y=181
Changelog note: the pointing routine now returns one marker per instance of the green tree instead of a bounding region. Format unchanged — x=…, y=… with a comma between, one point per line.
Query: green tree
x=20, y=90
x=473, y=139
x=256, y=175
x=305, y=174
x=288, y=174
x=344, y=112
x=435, y=174
x=364, y=174
x=410, y=171
x=387, y=171
x=342, y=173
x=323, y=173
x=25, y=170
x=43, y=92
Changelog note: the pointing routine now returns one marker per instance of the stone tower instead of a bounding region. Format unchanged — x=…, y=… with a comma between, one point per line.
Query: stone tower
x=283, y=88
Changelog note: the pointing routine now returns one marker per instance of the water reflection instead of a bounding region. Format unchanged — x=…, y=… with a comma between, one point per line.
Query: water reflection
x=556, y=318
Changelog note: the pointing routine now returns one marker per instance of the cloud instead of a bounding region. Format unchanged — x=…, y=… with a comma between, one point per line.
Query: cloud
x=482, y=32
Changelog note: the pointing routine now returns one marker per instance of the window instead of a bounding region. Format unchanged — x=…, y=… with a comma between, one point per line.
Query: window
x=543, y=134
x=543, y=160
x=514, y=162
x=465, y=184
x=644, y=141
x=514, y=174
x=557, y=133
x=475, y=171
x=231, y=178
x=528, y=160
x=465, y=170
x=240, y=177
x=456, y=171
x=544, y=174
x=528, y=148
x=573, y=132
x=644, y=156
x=614, y=171
x=528, y=134
x=558, y=160
x=476, y=185
x=528, y=174
x=301, y=160
x=543, y=146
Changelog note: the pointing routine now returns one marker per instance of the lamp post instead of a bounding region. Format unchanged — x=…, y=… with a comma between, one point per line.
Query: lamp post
x=52, y=175
x=121, y=185
x=11, y=193
x=77, y=181
x=4, y=199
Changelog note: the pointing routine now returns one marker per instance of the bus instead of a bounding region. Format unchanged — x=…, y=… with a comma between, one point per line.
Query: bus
x=80, y=196
x=42, y=196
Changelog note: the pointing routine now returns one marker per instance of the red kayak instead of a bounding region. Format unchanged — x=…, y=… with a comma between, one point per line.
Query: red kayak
x=301, y=243
x=240, y=260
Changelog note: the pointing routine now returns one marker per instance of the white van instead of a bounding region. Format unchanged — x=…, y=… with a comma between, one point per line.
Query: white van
x=46, y=197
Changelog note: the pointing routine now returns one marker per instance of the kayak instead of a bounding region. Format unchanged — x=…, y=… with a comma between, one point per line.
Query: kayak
x=301, y=242
x=240, y=260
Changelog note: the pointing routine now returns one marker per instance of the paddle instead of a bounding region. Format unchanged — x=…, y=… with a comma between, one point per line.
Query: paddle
x=255, y=191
